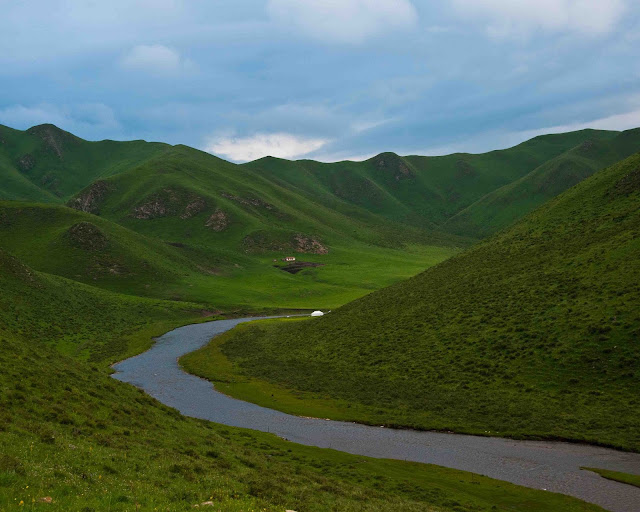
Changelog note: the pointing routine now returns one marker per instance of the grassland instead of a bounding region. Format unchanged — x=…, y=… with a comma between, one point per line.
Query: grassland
x=532, y=333
x=625, y=478
x=73, y=439
x=209, y=230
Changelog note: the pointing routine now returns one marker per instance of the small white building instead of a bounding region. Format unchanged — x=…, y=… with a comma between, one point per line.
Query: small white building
x=289, y=258
x=317, y=313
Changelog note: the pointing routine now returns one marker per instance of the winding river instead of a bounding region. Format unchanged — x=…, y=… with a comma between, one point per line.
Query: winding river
x=553, y=466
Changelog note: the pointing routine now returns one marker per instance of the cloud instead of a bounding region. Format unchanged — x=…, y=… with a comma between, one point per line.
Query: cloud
x=507, y=17
x=281, y=145
x=343, y=21
x=154, y=58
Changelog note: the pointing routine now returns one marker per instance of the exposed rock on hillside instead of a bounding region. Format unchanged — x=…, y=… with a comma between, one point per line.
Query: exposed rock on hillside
x=249, y=201
x=26, y=162
x=53, y=137
x=196, y=206
x=87, y=236
x=91, y=198
x=309, y=245
x=298, y=242
x=170, y=202
x=392, y=163
x=218, y=221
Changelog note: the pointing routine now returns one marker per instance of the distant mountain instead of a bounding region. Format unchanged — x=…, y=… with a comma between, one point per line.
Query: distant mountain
x=200, y=228
x=533, y=332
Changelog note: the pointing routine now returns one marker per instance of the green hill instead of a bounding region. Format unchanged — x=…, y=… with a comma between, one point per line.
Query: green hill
x=499, y=208
x=47, y=164
x=72, y=439
x=533, y=332
x=214, y=232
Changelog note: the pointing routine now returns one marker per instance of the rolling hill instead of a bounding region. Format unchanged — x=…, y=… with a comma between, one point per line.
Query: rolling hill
x=533, y=332
x=178, y=223
x=72, y=439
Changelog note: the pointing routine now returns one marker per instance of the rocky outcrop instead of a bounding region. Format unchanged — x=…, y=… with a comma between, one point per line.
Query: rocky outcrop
x=249, y=201
x=194, y=207
x=261, y=241
x=309, y=245
x=218, y=221
x=87, y=236
x=170, y=202
x=53, y=137
x=393, y=164
x=91, y=198
x=26, y=162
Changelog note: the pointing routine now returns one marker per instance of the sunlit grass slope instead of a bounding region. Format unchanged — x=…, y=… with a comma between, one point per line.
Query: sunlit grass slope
x=72, y=439
x=532, y=333
x=93, y=250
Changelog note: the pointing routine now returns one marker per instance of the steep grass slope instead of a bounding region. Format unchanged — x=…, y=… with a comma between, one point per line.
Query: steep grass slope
x=499, y=208
x=45, y=163
x=534, y=332
x=428, y=191
x=72, y=439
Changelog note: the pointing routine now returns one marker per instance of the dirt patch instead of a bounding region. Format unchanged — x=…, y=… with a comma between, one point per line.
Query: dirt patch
x=26, y=162
x=170, y=202
x=294, y=268
x=218, y=221
x=249, y=201
x=309, y=245
x=261, y=241
x=87, y=236
x=194, y=207
x=91, y=198
x=109, y=267
x=154, y=207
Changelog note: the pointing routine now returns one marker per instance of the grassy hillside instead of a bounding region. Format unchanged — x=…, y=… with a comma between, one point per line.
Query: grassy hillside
x=72, y=439
x=93, y=250
x=215, y=232
x=45, y=163
x=429, y=191
x=533, y=332
x=499, y=208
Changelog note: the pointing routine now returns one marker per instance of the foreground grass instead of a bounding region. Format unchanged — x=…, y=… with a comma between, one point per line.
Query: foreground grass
x=531, y=334
x=625, y=478
x=72, y=438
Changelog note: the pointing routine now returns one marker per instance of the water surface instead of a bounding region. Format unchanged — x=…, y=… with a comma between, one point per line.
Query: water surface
x=553, y=466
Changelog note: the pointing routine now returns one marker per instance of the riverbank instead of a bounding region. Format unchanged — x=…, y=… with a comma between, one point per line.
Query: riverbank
x=542, y=465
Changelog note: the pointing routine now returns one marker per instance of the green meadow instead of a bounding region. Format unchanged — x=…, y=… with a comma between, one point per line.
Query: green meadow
x=530, y=334
x=72, y=438
x=104, y=245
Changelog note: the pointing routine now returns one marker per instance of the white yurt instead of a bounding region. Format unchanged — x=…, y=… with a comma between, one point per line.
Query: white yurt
x=317, y=313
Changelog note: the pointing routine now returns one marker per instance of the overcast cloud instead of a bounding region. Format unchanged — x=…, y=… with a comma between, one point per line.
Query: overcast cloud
x=326, y=79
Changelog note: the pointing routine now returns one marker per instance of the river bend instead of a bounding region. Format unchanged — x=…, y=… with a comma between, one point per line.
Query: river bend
x=554, y=466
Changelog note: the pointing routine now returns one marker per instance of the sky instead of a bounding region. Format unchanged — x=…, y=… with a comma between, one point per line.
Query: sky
x=322, y=79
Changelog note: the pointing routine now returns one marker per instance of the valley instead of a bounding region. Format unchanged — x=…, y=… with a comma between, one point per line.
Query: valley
x=522, y=326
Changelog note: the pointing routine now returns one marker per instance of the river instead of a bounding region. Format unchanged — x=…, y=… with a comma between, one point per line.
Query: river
x=553, y=466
